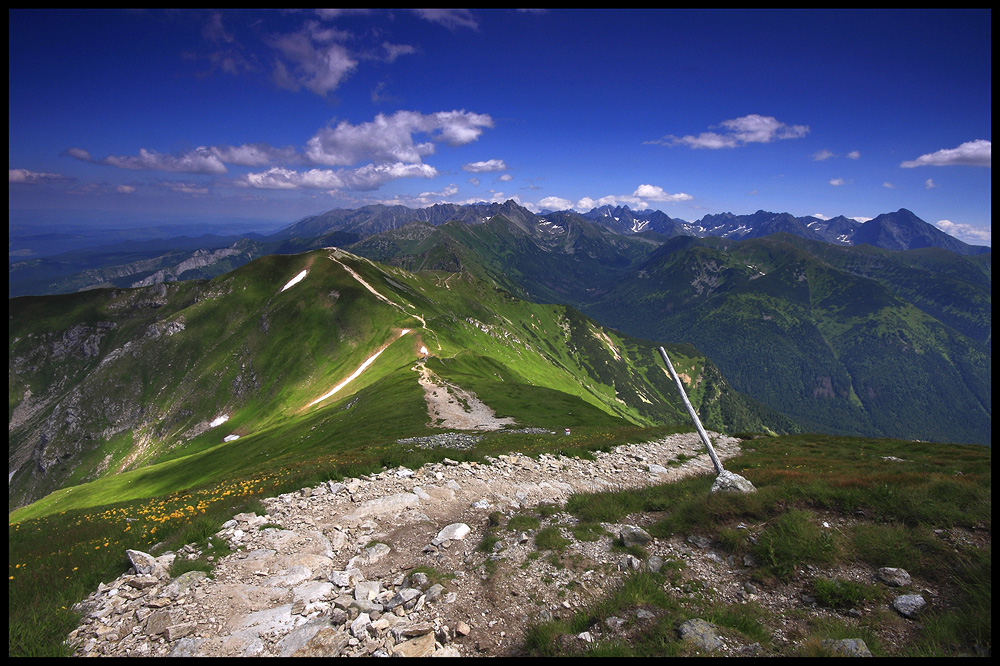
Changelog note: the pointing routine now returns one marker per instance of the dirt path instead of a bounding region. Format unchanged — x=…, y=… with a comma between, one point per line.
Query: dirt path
x=346, y=550
x=451, y=406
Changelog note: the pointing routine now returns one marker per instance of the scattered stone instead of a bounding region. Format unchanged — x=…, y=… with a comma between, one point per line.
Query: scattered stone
x=327, y=642
x=453, y=532
x=894, y=576
x=631, y=535
x=848, y=647
x=421, y=646
x=143, y=563
x=909, y=605
x=703, y=634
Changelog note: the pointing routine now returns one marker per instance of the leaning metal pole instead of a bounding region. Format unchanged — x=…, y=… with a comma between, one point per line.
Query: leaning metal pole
x=694, y=414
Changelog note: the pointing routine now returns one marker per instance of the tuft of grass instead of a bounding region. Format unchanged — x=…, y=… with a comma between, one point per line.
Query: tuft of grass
x=791, y=540
x=551, y=538
x=184, y=565
x=523, y=523
x=838, y=593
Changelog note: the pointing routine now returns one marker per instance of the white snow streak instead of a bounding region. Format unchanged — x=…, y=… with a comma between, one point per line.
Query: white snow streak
x=295, y=280
x=357, y=373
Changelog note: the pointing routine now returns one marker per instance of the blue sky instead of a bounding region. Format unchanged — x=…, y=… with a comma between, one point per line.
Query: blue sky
x=263, y=117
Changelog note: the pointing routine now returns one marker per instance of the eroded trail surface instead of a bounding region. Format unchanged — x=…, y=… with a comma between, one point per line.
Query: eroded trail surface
x=391, y=564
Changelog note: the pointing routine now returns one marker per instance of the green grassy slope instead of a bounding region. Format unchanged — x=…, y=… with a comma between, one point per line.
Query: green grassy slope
x=139, y=389
x=837, y=351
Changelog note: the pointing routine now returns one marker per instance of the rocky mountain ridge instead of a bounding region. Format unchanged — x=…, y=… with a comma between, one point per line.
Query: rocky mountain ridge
x=394, y=565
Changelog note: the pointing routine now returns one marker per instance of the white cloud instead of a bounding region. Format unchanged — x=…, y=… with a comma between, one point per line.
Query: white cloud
x=368, y=177
x=253, y=154
x=929, y=184
x=34, y=177
x=312, y=59
x=753, y=128
x=447, y=191
x=656, y=193
x=78, y=153
x=449, y=18
x=125, y=189
x=970, y=153
x=888, y=185
x=393, y=51
x=485, y=166
x=836, y=182
x=505, y=178
x=822, y=155
x=821, y=216
x=966, y=232
x=555, y=203
x=391, y=138
x=200, y=160
x=853, y=155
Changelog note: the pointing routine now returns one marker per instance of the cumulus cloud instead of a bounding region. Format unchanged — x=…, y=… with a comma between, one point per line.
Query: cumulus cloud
x=656, y=193
x=506, y=177
x=485, y=166
x=753, y=128
x=822, y=155
x=966, y=232
x=888, y=185
x=555, y=203
x=125, y=189
x=34, y=177
x=368, y=177
x=836, y=182
x=854, y=155
x=391, y=138
x=929, y=184
x=970, y=153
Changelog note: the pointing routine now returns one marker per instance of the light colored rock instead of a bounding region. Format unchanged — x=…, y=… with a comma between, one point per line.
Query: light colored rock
x=632, y=535
x=703, y=634
x=848, y=647
x=894, y=576
x=421, y=646
x=909, y=605
x=453, y=532
x=327, y=642
x=729, y=482
x=143, y=563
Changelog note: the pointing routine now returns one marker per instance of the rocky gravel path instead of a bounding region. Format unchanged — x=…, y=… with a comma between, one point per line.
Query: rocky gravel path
x=389, y=564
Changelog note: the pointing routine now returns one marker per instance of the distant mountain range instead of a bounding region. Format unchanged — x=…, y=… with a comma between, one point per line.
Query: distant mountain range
x=881, y=328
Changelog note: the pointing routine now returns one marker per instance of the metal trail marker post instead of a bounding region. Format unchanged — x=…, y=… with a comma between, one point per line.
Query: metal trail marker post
x=726, y=481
